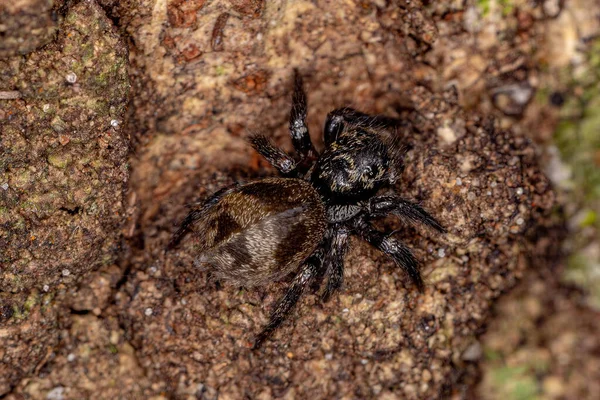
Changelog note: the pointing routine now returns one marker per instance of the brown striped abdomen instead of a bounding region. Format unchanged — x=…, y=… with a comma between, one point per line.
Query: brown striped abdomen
x=261, y=231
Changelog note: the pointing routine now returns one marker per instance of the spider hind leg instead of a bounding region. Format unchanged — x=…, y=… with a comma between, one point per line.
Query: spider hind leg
x=392, y=247
x=334, y=263
x=274, y=155
x=301, y=281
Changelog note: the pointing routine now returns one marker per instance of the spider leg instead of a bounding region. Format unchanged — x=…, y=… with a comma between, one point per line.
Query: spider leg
x=274, y=155
x=340, y=117
x=395, y=249
x=336, y=214
x=197, y=211
x=381, y=206
x=298, y=128
x=334, y=262
x=301, y=281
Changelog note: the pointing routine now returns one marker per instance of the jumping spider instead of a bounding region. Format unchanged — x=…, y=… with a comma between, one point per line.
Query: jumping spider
x=300, y=223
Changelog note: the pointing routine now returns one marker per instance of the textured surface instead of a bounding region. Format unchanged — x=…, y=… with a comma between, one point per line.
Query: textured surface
x=62, y=175
x=63, y=154
x=380, y=323
x=379, y=336
x=26, y=25
x=543, y=330
x=204, y=75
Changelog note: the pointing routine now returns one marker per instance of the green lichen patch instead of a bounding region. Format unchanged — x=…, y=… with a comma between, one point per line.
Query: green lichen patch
x=59, y=159
x=514, y=383
x=578, y=139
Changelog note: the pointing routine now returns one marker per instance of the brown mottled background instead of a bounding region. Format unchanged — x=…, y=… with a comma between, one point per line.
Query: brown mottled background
x=115, y=115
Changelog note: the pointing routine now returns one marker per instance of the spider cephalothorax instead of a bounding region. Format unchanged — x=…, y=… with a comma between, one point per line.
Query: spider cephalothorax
x=300, y=223
x=351, y=168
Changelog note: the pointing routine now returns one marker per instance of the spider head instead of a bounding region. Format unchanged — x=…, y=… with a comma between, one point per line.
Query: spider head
x=353, y=167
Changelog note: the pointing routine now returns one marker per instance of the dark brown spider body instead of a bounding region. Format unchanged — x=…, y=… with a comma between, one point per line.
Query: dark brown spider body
x=261, y=231
x=300, y=224
x=354, y=166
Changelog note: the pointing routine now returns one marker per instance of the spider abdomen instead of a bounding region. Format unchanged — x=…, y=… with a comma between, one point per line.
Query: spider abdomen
x=261, y=231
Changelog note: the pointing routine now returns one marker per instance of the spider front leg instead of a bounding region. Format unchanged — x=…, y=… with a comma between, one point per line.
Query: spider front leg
x=301, y=281
x=298, y=128
x=381, y=206
x=401, y=254
x=334, y=262
x=274, y=155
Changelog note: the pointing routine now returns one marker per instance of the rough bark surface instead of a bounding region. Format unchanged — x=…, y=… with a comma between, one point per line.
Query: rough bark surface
x=204, y=75
x=26, y=25
x=63, y=172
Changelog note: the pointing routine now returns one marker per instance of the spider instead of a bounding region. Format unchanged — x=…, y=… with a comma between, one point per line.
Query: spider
x=300, y=223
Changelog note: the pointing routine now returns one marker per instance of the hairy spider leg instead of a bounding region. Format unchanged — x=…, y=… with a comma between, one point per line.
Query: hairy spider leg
x=284, y=163
x=334, y=261
x=303, y=145
x=392, y=247
x=298, y=128
x=310, y=269
x=381, y=206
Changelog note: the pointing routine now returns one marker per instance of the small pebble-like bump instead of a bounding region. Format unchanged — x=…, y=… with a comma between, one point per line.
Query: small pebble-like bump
x=71, y=77
x=114, y=123
x=345, y=310
x=9, y=94
x=71, y=357
x=66, y=272
x=148, y=312
x=520, y=221
x=441, y=253
x=426, y=375
x=329, y=356
x=45, y=288
x=447, y=134
x=4, y=186
x=56, y=393
x=473, y=353
x=217, y=34
x=458, y=181
x=364, y=362
x=519, y=191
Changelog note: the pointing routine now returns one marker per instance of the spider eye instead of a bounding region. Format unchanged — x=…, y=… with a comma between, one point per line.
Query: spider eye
x=369, y=172
x=341, y=164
